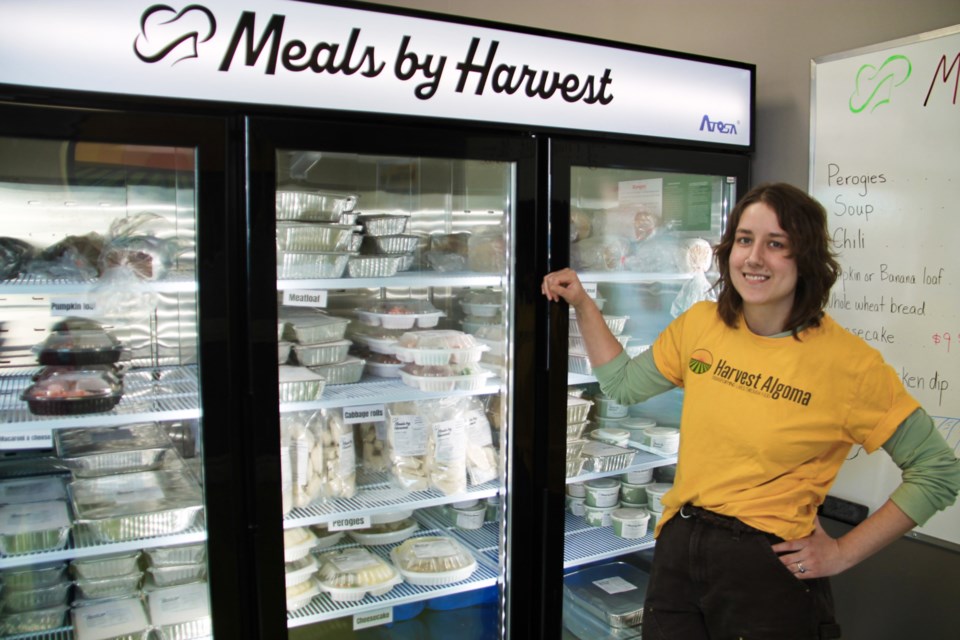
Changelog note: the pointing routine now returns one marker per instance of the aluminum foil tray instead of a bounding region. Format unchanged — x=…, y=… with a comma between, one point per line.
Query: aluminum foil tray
x=574, y=467
x=311, y=264
x=68, y=443
x=32, y=621
x=384, y=225
x=94, y=466
x=616, y=324
x=311, y=204
x=579, y=363
x=300, y=384
x=33, y=599
x=619, y=608
x=348, y=371
x=314, y=355
x=194, y=630
x=391, y=244
x=373, y=266
x=136, y=505
x=34, y=527
x=34, y=576
x=600, y=457
x=180, y=554
x=310, y=327
x=105, y=566
x=178, y=574
x=293, y=236
x=577, y=409
x=113, y=587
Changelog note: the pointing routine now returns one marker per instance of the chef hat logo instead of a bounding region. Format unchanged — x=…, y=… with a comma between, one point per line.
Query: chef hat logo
x=164, y=32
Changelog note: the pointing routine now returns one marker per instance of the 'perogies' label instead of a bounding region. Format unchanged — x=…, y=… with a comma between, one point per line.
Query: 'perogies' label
x=350, y=522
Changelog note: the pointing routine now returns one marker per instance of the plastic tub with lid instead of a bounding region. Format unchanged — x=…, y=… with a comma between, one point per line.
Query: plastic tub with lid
x=602, y=492
x=630, y=523
x=663, y=440
x=600, y=516
x=655, y=493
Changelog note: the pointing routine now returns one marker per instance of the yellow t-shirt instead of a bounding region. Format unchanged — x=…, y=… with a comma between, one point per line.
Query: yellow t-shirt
x=767, y=422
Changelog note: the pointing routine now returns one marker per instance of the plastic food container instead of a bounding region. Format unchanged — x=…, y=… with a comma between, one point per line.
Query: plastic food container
x=602, y=457
x=608, y=423
x=297, y=543
x=634, y=493
x=602, y=492
x=655, y=517
x=630, y=523
x=433, y=560
x=618, y=437
x=314, y=355
x=311, y=327
x=438, y=347
x=302, y=203
x=38, y=489
x=136, y=505
x=350, y=574
x=300, y=595
x=467, y=516
x=390, y=244
x=36, y=576
x=283, y=351
x=400, y=314
x=347, y=371
x=33, y=527
x=383, y=224
x=576, y=506
x=299, y=570
x=577, y=409
x=385, y=532
x=37, y=621
x=582, y=624
x=636, y=426
x=383, y=266
x=323, y=537
x=655, y=493
x=445, y=377
x=180, y=554
x=105, y=566
x=599, y=516
x=298, y=236
x=492, y=509
x=78, y=342
x=311, y=264
x=74, y=392
x=181, y=612
x=609, y=408
x=637, y=476
x=663, y=440
x=124, y=618
x=613, y=593
x=577, y=489
x=300, y=384
x=113, y=587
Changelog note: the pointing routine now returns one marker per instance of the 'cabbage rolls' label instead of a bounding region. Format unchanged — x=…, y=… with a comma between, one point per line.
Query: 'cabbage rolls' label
x=409, y=435
x=615, y=584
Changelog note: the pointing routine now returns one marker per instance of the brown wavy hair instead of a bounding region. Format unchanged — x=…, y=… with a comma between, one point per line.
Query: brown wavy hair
x=805, y=221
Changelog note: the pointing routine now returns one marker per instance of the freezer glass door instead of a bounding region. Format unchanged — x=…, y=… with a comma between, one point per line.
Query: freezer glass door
x=102, y=528
x=393, y=344
x=640, y=241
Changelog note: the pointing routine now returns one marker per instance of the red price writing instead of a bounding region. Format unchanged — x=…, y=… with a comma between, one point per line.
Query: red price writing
x=945, y=339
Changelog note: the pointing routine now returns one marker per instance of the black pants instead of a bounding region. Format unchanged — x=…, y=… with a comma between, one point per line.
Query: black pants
x=715, y=578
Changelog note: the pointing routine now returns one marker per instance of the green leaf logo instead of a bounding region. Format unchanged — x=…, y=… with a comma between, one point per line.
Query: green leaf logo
x=873, y=85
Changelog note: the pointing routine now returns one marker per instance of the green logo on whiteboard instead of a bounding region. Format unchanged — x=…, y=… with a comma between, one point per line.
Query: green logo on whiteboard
x=873, y=86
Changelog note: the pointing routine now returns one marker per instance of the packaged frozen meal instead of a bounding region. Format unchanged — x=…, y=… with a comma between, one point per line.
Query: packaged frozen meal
x=438, y=347
x=74, y=392
x=381, y=533
x=32, y=489
x=612, y=592
x=400, y=314
x=299, y=384
x=310, y=326
x=78, y=341
x=124, y=618
x=406, y=436
x=181, y=611
x=322, y=456
x=433, y=560
x=32, y=527
x=97, y=451
x=371, y=438
x=350, y=574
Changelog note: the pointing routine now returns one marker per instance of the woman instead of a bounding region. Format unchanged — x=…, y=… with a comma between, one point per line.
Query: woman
x=779, y=394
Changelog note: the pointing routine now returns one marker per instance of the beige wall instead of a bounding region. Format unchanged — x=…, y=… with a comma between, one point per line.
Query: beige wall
x=780, y=37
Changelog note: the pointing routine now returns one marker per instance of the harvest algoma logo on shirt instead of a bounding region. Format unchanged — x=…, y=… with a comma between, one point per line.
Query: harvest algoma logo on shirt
x=700, y=361
x=757, y=382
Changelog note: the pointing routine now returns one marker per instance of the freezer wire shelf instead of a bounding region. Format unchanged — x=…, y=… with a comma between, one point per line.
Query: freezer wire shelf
x=373, y=389
x=418, y=279
x=81, y=544
x=484, y=541
x=173, y=282
x=322, y=607
x=62, y=633
x=376, y=494
x=583, y=543
x=170, y=392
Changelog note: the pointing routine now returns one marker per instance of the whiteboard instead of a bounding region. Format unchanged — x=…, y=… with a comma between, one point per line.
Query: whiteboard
x=885, y=163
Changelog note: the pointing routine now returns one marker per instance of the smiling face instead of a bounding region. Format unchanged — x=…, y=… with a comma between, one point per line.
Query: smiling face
x=763, y=270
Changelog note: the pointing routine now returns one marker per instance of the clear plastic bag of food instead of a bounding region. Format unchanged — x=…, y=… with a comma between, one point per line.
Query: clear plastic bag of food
x=372, y=441
x=339, y=456
x=73, y=258
x=600, y=254
x=482, y=457
x=302, y=477
x=406, y=436
x=446, y=457
x=15, y=254
x=135, y=244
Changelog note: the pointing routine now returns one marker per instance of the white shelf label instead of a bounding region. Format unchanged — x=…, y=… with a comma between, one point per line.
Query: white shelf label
x=78, y=306
x=365, y=413
x=305, y=298
x=372, y=618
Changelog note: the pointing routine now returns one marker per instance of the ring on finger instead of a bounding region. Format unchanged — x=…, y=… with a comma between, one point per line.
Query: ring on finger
x=801, y=568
